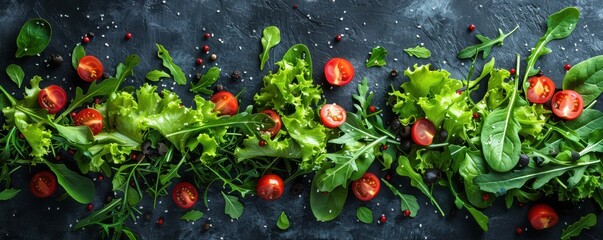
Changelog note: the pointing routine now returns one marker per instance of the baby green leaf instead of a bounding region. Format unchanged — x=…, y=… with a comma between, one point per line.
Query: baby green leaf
x=365, y=215
x=574, y=230
x=418, y=52
x=155, y=75
x=80, y=188
x=405, y=169
x=8, y=193
x=232, y=206
x=586, y=78
x=283, y=222
x=326, y=206
x=33, y=37
x=78, y=53
x=377, y=57
x=407, y=202
x=271, y=36
x=485, y=46
x=192, y=215
x=205, y=82
x=168, y=62
x=15, y=72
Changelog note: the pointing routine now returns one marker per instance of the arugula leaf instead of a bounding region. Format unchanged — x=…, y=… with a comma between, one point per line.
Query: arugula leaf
x=80, y=188
x=192, y=215
x=584, y=79
x=156, y=75
x=77, y=54
x=405, y=169
x=485, y=46
x=232, y=206
x=104, y=88
x=8, y=193
x=377, y=58
x=407, y=202
x=15, y=73
x=33, y=37
x=574, y=230
x=481, y=219
x=205, y=82
x=418, y=52
x=365, y=215
x=98, y=216
x=271, y=36
x=326, y=206
x=168, y=62
x=521, y=195
x=283, y=222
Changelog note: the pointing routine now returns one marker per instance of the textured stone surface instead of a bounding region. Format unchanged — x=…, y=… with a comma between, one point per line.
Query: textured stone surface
x=236, y=27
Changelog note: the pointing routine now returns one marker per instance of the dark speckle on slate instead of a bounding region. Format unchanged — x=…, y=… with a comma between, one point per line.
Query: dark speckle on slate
x=440, y=26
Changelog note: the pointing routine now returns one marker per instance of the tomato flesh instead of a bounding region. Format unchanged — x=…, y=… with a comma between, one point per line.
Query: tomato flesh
x=542, y=216
x=277, y=122
x=43, y=184
x=90, y=69
x=422, y=132
x=270, y=187
x=185, y=195
x=367, y=187
x=52, y=98
x=541, y=89
x=567, y=104
x=225, y=103
x=332, y=115
x=91, y=118
x=339, y=71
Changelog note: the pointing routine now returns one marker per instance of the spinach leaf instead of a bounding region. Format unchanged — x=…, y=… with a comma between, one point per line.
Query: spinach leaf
x=586, y=78
x=33, y=37
x=15, y=73
x=326, y=206
x=407, y=202
x=205, y=82
x=192, y=215
x=271, y=36
x=588, y=121
x=405, y=169
x=365, y=215
x=300, y=52
x=472, y=166
x=418, y=52
x=168, y=62
x=8, y=193
x=485, y=46
x=77, y=54
x=283, y=221
x=574, y=230
x=80, y=188
x=156, y=75
x=377, y=57
x=232, y=206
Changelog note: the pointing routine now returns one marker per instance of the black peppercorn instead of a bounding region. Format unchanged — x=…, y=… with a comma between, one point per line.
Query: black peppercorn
x=540, y=73
x=106, y=75
x=90, y=35
x=393, y=73
x=443, y=135
x=147, y=217
x=56, y=60
x=406, y=145
x=297, y=189
x=235, y=75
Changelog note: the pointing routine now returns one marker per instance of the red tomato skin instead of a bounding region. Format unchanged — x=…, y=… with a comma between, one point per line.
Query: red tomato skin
x=277, y=123
x=339, y=71
x=226, y=103
x=90, y=69
x=52, y=98
x=542, y=216
x=270, y=187
x=91, y=118
x=422, y=132
x=48, y=187
x=541, y=89
x=185, y=195
x=332, y=115
x=560, y=102
x=370, y=181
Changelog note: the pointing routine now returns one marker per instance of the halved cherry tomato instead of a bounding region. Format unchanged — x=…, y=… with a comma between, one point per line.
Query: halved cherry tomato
x=367, y=187
x=277, y=122
x=43, y=184
x=270, y=187
x=422, y=132
x=567, y=104
x=332, y=115
x=91, y=118
x=52, y=98
x=185, y=195
x=90, y=69
x=541, y=89
x=226, y=103
x=339, y=71
x=542, y=216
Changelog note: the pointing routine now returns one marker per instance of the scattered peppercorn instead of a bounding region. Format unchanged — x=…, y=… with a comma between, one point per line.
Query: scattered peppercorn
x=519, y=230
x=207, y=226
x=21, y=136
x=431, y=175
x=393, y=73
x=538, y=160
x=540, y=73
x=90, y=207
x=524, y=160
x=405, y=131
x=406, y=145
x=575, y=156
x=160, y=221
x=372, y=109
x=133, y=156
x=147, y=217
x=297, y=189
x=213, y=57
x=262, y=143
x=72, y=151
x=383, y=218
x=235, y=75
x=97, y=100
x=106, y=75
x=567, y=67
x=459, y=92
x=73, y=114
x=199, y=61
x=443, y=135
x=395, y=124
x=100, y=178
x=85, y=40
x=295, y=6
x=475, y=115
x=513, y=71
x=56, y=60
x=485, y=197
x=338, y=38
x=205, y=49
x=471, y=27
x=128, y=36
x=90, y=35
x=384, y=147
x=109, y=198
x=388, y=177
x=219, y=88
x=207, y=36
x=406, y=213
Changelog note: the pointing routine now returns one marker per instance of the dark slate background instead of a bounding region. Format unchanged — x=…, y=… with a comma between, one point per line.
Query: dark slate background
x=236, y=27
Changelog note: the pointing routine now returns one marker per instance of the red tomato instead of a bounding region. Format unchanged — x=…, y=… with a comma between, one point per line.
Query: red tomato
x=90, y=69
x=91, y=118
x=43, y=184
x=541, y=89
x=567, y=104
x=422, y=132
x=339, y=71
x=542, y=216
x=52, y=98
x=277, y=122
x=270, y=187
x=367, y=187
x=185, y=195
x=226, y=103
x=332, y=115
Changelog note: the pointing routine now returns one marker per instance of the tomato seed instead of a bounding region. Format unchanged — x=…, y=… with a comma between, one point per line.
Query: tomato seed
x=90, y=207
x=128, y=36
x=519, y=230
x=471, y=27
x=338, y=38
x=160, y=221
x=199, y=61
x=485, y=197
x=85, y=40
x=383, y=218
x=567, y=67
x=406, y=213
x=512, y=71
x=207, y=36
x=205, y=49
x=262, y=143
